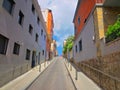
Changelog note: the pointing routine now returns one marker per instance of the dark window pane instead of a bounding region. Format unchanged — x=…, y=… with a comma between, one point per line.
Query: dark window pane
x=27, y=54
x=38, y=20
x=3, y=44
x=30, y=29
x=41, y=32
x=39, y=58
x=42, y=52
x=20, y=18
x=75, y=29
x=79, y=20
x=76, y=48
x=9, y=5
x=44, y=37
x=16, y=49
x=36, y=39
x=80, y=45
x=33, y=8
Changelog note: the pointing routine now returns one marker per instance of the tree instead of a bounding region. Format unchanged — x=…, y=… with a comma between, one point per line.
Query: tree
x=113, y=31
x=69, y=44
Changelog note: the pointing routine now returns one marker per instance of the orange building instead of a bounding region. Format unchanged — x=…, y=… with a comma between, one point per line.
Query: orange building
x=50, y=24
x=48, y=16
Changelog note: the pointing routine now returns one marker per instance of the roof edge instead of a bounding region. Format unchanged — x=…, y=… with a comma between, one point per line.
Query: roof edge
x=78, y=4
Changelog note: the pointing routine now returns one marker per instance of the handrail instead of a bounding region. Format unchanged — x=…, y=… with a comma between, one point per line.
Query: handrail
x=114, y=78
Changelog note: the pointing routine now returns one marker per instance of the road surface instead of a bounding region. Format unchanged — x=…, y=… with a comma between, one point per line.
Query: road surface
x=55, y=77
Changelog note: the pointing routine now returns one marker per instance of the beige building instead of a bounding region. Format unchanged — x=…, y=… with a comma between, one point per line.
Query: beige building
x=64, y=43
x=22, y=38
x=54, y=48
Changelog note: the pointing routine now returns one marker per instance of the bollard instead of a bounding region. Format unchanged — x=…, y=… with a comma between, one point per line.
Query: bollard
x=44, y=64
x=70, y=67
x=76, y=78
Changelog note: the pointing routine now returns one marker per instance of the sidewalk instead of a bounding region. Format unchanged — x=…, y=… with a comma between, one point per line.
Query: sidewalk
x=22, y=82
x=81, y=81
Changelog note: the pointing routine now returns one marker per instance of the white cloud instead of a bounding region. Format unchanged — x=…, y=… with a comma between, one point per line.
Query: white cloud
x=61, y=39
x=63, y=13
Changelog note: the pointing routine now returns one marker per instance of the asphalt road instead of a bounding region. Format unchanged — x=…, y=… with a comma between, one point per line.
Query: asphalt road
x=55, y=77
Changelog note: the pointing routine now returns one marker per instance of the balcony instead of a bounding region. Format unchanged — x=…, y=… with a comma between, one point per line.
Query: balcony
x=109, y=3
x=112, y=3
x=99, y=1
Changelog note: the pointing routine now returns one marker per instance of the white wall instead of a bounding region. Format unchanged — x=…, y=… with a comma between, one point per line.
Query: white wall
x=10, y=28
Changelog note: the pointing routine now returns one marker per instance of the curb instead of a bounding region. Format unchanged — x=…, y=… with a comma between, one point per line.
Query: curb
x=71, y=77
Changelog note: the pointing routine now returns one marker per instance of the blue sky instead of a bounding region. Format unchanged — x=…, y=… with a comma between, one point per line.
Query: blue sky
x=63, y=13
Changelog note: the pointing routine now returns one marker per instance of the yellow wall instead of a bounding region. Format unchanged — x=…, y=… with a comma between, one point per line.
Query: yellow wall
x=100, y=22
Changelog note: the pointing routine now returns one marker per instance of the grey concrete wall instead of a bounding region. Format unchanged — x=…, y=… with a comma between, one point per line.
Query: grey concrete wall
x=111, y=47
x=88, y=44
x=10, y=28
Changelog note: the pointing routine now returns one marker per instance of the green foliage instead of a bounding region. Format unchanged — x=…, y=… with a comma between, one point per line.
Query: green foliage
x=113, y=31
x=64, y=49
x=69, y=44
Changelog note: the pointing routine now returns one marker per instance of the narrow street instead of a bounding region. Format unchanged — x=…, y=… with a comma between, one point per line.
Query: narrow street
x=59, y=44
x=55, y=77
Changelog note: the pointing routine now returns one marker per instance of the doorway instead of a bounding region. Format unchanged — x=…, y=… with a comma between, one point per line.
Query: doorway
x=39, y=58
x=33, y=59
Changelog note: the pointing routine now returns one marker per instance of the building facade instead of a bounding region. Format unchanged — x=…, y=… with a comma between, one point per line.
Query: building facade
x=64, y=43
x=22, y=38
x=96, y=57
x=54, y=48
x=91, y=20
x=48, y=16
x=84, y=31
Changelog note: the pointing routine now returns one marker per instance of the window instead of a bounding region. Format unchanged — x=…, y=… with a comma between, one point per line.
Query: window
x=3, y=44
x=30, y=29
x=79, y=20
x=41, y=32
x=75, y=29
x=80, y=45
x=85, y=20
x=27, y=54
x=38, y=20
x=20, y=18
x=33, y=9
x=36, y=38
x=16, y=49
x=44, y=37
x=9, y=5
x=76, y=48
x=42, y=52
